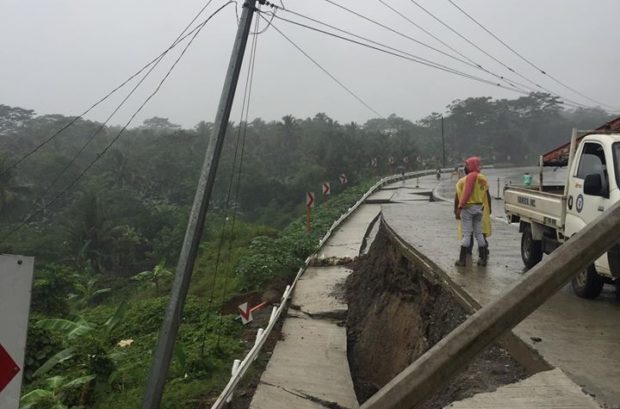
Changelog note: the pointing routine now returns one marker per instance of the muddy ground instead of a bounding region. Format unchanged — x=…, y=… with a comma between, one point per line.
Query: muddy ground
x=396, y=314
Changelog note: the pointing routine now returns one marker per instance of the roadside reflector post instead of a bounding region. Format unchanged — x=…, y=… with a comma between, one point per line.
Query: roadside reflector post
x=309, y=206
x=326, y=189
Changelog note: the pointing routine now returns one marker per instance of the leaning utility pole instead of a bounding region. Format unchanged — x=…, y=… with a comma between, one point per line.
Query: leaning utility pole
x=193, y=234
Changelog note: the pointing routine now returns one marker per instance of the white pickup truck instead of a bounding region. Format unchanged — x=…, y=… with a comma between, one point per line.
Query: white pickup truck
x=550, y=215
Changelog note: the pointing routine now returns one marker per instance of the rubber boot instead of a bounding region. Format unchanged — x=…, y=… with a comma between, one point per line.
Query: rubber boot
x=462, y=261
x=483, y=256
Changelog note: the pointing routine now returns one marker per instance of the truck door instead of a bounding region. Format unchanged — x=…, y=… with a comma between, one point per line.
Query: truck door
x=584, y=207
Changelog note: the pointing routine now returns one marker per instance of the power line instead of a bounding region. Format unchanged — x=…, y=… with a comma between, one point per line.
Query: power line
x=418, y=60
x=509, y=68
x=241, y=137
x=475, y=65
x=155, y=61
x=247, y=90
x=397, y=53
x=414, y=57
x=322, y=68
x=508, y=81
x=401, y=34
x=120, y=133
x=527, y=60
x=120, y=105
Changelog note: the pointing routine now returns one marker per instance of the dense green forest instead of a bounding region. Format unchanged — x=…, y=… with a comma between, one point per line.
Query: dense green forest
x=106, y=250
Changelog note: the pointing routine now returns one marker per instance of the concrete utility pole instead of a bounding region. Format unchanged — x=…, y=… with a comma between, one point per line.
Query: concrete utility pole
x=193, y=234
x=435, y=367
x=443, y=145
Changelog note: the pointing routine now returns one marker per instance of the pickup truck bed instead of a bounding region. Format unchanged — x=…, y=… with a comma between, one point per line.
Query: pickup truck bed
x=529, y=203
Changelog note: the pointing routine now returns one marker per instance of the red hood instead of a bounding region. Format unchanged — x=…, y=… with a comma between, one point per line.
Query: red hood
x=473, y=164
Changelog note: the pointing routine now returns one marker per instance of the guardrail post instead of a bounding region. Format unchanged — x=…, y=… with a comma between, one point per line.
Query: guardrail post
x=286, y=294
x=274, y=311
x=233, y=373
x=431, y=371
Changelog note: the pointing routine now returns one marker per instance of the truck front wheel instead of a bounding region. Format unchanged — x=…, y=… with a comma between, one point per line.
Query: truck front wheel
x=588, y=284
x=531, y=250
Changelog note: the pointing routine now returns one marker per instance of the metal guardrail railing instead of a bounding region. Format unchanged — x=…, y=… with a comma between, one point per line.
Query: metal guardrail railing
x=240, y=367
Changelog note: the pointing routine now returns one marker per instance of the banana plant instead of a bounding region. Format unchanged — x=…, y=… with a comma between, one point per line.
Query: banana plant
x=53, y=395
x=158, y=275
x=87, y=292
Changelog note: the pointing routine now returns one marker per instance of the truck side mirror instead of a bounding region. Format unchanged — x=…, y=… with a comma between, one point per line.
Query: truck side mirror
x=593, y=185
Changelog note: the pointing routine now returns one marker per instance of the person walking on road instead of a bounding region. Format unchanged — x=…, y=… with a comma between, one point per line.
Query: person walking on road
x=487, y=210
x=471, y=199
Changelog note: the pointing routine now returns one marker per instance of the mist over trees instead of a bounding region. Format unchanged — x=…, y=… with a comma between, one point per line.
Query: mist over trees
x=105, y=250
x=130, y=209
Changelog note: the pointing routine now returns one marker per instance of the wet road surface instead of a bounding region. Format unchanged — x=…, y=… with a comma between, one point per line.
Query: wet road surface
x=579, y=336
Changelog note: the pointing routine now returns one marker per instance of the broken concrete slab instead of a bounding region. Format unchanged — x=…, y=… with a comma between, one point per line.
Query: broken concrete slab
x=316, y=293
x=549, y=390
x=380, y=196
x=310, y=361
x=347, y=239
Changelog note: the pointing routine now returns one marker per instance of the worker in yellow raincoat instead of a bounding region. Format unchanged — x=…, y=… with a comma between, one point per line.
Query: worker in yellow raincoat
x=485, y=197
x=486, y=215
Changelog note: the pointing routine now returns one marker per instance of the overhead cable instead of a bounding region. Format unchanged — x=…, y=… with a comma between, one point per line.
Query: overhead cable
x=509, y=68
x=354, y=95
x=418, y=60
x=527, y=60
x=120, y=133
x=155, y=61
x=401, y=34
x=506, y=80
x=118, y=107
x=236, y=159
x=240, y=152
x=401, y=54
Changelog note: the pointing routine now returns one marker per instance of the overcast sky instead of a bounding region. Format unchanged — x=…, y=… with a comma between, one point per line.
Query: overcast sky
x=61, y=56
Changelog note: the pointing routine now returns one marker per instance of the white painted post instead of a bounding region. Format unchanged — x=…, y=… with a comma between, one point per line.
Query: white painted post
x=273, y=314
x=15, y=290
x=259, y=336
x=233, y=373
x=286, y=293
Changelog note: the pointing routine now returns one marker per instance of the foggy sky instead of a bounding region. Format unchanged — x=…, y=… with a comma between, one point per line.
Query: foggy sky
x=62, y=56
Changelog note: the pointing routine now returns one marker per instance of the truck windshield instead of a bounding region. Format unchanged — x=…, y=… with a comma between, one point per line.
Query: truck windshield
x=616, y=150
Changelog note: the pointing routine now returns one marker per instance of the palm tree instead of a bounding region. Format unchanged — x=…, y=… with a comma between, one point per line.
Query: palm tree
x=9, y=188
x=90, y=234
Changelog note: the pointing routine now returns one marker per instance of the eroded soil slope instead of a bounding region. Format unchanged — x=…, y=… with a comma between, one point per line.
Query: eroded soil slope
x=396, y=314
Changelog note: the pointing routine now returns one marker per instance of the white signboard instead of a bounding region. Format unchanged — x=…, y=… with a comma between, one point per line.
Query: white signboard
x=15, y=289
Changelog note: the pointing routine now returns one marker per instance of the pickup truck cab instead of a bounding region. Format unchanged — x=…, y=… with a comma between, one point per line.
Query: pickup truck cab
x=550, y=215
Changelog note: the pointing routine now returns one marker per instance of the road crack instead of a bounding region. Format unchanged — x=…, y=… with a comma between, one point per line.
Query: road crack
x=325, y=403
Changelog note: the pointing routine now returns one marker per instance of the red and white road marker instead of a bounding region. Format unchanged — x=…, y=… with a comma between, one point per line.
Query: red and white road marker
x=326, y=189
x=309, y=206
x=8, y=368
x=309, y=199
x=245, y=313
